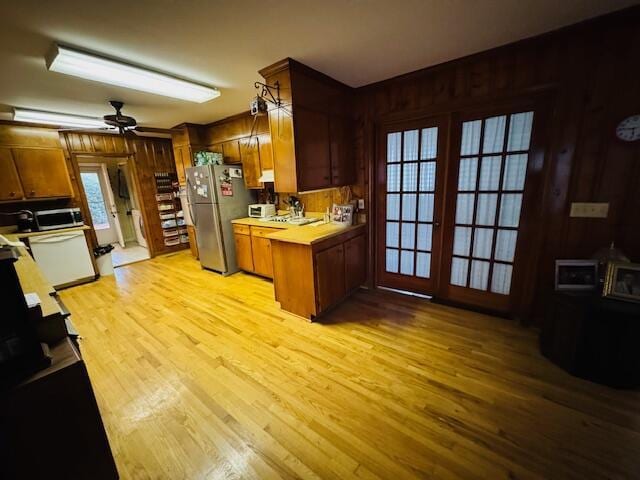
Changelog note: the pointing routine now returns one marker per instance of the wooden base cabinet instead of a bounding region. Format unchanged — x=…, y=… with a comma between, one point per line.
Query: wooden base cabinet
x=253, y=249
x=310, y=279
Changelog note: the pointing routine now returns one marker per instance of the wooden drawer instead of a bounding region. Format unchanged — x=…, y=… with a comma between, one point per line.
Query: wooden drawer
x=262, y=231
x=241, y=229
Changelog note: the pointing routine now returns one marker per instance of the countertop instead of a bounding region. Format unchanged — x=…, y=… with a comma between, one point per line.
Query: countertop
x=255, y=222
x=32, y=280
x=308, y=234
x=11, y=234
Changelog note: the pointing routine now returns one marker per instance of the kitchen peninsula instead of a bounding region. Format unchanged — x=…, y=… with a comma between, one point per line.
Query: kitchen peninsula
x=314, y=267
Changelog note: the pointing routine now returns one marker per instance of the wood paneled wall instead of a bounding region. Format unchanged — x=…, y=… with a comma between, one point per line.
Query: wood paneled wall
x=589, y=73
x=149, y=155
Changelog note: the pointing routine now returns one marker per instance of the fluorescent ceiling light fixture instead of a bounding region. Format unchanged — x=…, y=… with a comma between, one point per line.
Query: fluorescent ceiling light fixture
x=52, y=118
x=92, y=67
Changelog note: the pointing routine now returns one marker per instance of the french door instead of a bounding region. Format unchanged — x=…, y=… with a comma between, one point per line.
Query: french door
x=458, y=238
x=410, y=185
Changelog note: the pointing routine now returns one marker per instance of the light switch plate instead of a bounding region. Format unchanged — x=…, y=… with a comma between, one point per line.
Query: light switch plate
x=361, y=204
x=589, y=210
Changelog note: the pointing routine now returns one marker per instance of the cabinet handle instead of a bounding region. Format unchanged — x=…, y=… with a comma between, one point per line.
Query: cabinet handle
x=12, y=194
x=32, y=193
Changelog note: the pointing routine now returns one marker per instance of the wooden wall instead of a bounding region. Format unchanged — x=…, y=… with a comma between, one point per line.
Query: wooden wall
x=149, y=155
x=590, y=73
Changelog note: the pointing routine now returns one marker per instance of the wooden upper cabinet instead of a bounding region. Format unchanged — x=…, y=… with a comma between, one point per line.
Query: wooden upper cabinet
x=311, y=132
x=10, y=187
x=250, y=156
x=313, y=150
x=266, y=153
x=43, y=172
x=231, y=151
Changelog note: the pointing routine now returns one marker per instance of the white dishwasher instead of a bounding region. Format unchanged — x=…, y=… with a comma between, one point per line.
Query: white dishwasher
x=64, y=258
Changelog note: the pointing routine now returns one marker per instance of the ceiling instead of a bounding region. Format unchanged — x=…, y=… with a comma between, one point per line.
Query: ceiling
x=225, y=43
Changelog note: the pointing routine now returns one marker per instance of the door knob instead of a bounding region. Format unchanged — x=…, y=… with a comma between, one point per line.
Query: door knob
x=436, y=224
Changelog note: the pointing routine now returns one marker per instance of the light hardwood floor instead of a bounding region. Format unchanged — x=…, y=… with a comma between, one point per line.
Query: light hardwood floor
x=199, y=376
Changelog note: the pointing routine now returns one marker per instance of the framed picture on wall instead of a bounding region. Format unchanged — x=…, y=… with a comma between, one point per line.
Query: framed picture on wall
x=576, y=274
x=622, y=281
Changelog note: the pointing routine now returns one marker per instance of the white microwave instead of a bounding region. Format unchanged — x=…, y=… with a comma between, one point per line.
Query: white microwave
x=262, y=210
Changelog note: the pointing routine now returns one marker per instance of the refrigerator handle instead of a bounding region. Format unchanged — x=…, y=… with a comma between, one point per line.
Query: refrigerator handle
x=194, y=220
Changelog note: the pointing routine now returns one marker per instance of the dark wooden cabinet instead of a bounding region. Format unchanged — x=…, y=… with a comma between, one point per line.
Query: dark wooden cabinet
x=184, y=159
x=355, y=264
x=312, y=131
x=330, y=277
x=10, y=186
x=43, y=172
x=193, y=241
x=593, y=338
x=312, y=149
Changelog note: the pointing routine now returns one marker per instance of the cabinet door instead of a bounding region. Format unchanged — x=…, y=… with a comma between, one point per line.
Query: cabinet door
x=330, y=276
x=262, y=261
x=284, y=157
x=249, y=153
x=244, y=255
x=313, y=163
x=43, y=172
x=183, y=161
x=343, y=164
x=231, y=151
x=355, y=266
x=10, y=187
x=266, y=154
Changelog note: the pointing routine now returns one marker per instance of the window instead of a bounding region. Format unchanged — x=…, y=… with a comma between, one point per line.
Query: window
x=95, y=199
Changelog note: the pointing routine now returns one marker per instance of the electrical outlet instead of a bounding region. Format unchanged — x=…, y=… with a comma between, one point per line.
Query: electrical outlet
x=361, y=204
x=589, y=210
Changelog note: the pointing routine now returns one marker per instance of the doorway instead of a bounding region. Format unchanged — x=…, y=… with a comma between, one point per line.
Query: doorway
x=456, y=195
x=113, y=206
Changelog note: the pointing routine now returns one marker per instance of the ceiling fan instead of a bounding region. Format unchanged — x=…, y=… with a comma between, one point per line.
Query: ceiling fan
x=124, y=124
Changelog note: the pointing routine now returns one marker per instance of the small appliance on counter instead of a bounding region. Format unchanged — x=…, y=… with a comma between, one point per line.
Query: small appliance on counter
x=58, y=218
x=262, y=210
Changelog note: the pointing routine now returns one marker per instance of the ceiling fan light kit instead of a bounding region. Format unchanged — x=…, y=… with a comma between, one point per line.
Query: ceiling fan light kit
x=74, y=62
x=53, y=118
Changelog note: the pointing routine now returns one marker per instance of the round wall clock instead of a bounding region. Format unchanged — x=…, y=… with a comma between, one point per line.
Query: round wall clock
x=629, y=129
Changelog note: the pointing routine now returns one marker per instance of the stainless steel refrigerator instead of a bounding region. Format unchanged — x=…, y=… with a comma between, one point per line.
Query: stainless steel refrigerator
x=216, y=195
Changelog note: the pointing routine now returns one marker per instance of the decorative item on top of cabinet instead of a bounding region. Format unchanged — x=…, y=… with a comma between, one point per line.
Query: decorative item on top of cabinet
x=312, y=131
x=43, y=172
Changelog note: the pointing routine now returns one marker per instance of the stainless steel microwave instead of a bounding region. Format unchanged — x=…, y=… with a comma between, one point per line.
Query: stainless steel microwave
x=58, y=218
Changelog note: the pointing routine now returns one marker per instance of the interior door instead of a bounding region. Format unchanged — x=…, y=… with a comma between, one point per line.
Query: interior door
x=495, y=165
x=410, y=184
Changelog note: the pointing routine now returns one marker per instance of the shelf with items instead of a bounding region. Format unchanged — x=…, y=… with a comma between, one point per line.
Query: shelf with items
x=169, y=208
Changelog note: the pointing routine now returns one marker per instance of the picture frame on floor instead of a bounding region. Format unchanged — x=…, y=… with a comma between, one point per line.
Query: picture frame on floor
x=578, y=275
x=622, y=281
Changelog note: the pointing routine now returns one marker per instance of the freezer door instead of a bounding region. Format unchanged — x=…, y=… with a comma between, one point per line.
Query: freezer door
x=210, y=243
x=200, y=184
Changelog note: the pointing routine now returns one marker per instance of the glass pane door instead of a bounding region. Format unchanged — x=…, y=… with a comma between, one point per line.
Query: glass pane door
x=491, y=178
x=408, y=184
